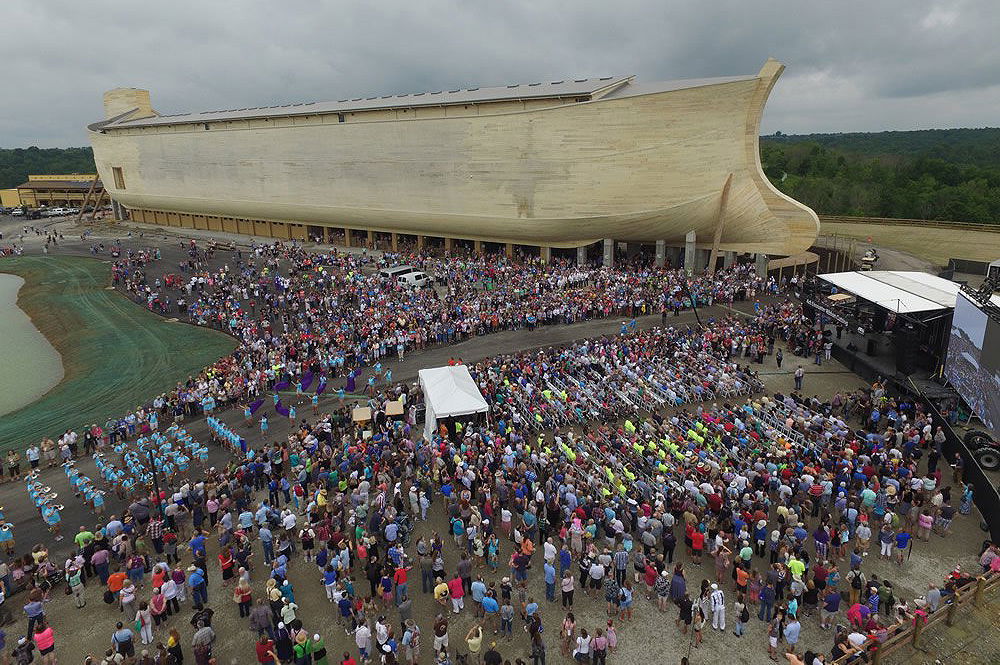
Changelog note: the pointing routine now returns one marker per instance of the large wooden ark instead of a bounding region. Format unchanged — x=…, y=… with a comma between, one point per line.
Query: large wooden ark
x=559, y=164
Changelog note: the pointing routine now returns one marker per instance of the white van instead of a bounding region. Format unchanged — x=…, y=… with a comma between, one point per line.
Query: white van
x=396, y=271
x=414, y=279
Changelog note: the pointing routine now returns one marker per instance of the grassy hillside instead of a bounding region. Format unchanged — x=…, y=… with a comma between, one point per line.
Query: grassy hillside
x=17, y=163
x=115, y=353
x=947, y=174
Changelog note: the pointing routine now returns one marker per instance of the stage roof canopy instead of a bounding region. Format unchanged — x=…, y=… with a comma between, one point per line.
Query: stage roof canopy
x=900, y=292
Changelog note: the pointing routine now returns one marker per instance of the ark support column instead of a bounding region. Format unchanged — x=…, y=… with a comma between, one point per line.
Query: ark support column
x=420, y=243
x=326, y=235
x=371, y=239
x=545, y=254
x=702, y=260
x=347, y=237
x=609, y=252
x=728, y=259
x=508, y=249
x=661, y=253
x=581, y=255
x=447, y=244
x=395, y=242
x=690, y=252
x=477, y=247
x=675, y=257
x=761, y=262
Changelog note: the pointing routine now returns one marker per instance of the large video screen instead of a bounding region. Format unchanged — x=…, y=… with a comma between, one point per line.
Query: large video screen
x=973, y=363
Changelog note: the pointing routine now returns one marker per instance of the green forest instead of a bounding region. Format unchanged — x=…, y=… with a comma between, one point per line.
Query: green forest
x=947, y=174
x=938, y=174
x=17, y=163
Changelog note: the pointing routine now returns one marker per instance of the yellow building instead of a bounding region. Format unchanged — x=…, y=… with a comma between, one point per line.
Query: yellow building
x=57, y=190
x=560, y=164
x=9, y=198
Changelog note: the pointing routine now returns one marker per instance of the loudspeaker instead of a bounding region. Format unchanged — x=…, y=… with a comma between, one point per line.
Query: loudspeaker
x=906, y=343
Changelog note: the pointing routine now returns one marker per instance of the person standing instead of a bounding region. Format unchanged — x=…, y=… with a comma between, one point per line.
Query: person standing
x=201, y=643
x=34, y=610
x=45, y=641
x=474, y=642
x=742, y=614
x=718, y=600
x=767, y=595
x=123, y=641
x=74, y=578
x=799, y=373
x=792, y=630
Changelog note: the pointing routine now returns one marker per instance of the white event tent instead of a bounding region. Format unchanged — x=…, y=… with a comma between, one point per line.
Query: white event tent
x=449, y=391
x=898, y=291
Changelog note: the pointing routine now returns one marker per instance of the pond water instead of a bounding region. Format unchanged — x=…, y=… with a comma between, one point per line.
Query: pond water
x=29, y=365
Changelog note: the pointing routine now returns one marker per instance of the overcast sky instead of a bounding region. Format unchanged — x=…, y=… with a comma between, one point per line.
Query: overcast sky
x=851, y=65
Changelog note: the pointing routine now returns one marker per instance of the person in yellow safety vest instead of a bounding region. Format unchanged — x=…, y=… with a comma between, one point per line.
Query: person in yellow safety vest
x=629, y=427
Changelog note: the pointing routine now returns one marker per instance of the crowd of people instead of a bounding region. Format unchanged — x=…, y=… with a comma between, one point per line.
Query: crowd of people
x=599, y=458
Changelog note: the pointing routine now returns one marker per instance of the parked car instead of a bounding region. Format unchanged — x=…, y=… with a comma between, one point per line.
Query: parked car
x=414, y=279
x=18, y=212
x=984, y=449
x=396, y=271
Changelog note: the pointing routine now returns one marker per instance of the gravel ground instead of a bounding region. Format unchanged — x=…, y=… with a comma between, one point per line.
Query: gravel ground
x=650, y=635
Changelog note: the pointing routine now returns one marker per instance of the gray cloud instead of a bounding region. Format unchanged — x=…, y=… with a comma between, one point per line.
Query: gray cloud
x=852, y=65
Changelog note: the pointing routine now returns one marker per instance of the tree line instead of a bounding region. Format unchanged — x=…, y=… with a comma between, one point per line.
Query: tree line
x=944, y=174
x=17, y=163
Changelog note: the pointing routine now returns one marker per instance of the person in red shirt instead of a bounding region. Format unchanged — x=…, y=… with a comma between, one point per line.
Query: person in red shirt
x=226, y=563
x=400, y=577
x=457, y=592
x=697, y=544
x=265, y=651
x=348, y=659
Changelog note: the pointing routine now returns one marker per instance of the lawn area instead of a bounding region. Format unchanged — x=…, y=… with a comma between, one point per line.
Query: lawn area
x=115, y=353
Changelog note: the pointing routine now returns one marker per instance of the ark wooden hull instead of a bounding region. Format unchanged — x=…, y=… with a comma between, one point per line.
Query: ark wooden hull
x=637, y=164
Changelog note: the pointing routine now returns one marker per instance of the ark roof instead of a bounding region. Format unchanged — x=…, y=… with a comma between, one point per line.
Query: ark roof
x=587, y=89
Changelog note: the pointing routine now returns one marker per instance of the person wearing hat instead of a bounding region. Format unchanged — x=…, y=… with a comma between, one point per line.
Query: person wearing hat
x=492, y=656
x=202, y=641
x=303, y=649
x=411, y=642
x=718, y=604
x=318, y=650
x=198, y=585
